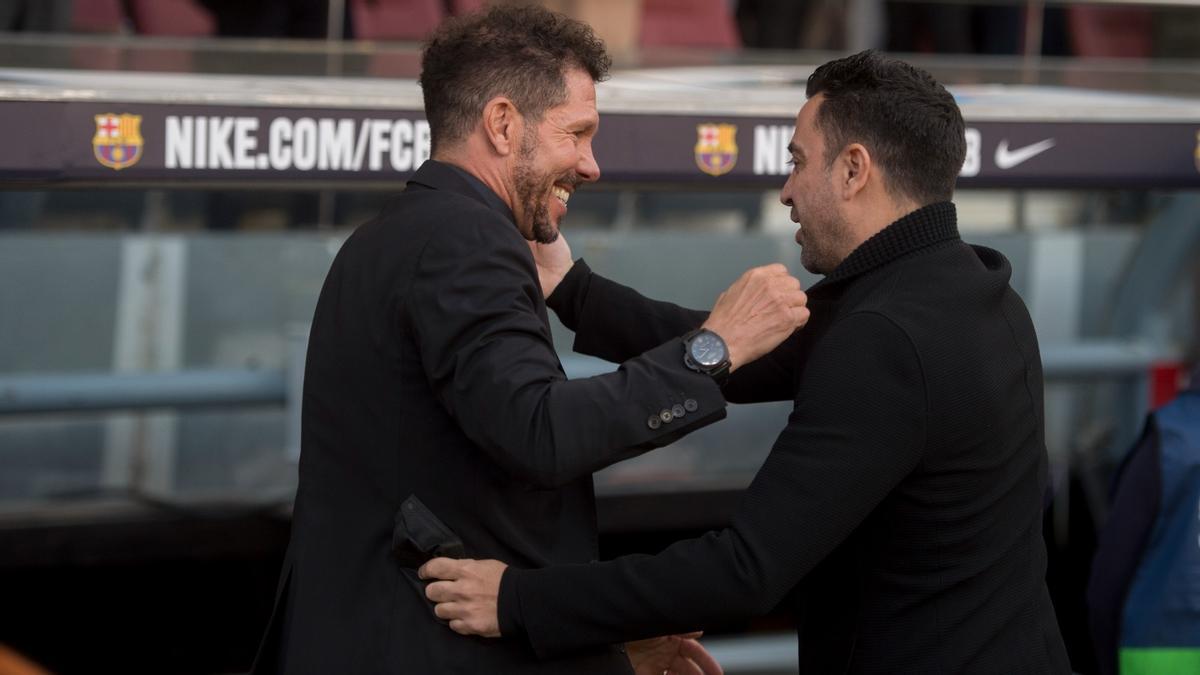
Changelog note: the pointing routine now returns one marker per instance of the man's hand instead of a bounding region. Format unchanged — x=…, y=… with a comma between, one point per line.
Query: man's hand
x=467, y=595
x=553, y=262
x=674, y=654
x=759, y=311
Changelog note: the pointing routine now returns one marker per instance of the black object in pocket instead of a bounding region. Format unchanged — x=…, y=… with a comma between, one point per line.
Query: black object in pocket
x=418, y=536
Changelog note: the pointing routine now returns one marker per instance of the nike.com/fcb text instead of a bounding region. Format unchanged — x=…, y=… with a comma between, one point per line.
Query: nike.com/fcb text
x=771, y=154
x=303, y=144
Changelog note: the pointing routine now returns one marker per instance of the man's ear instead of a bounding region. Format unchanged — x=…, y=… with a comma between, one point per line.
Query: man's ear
x=854, y=169
x=502, y=125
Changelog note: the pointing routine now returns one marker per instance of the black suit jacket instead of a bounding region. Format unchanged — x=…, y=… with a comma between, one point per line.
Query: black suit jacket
x=900, y=506
x=431, y=372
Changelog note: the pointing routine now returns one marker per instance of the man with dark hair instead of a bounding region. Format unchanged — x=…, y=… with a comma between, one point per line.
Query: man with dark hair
x=901, y=505
x=436, y=416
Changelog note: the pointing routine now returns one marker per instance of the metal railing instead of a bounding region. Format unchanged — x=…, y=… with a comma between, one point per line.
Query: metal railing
x=99, y=392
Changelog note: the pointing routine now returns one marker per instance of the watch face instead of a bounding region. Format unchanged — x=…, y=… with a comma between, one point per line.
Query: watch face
x=707, y=350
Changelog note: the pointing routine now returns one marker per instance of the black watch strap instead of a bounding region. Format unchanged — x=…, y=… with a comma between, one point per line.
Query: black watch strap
x=720, y=374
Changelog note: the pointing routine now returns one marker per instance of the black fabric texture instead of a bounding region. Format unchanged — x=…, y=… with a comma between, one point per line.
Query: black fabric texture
x=431, y=373
x=900, y=507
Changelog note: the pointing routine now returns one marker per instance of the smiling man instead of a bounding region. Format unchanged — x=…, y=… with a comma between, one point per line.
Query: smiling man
x=900, y=507
x=436, y=418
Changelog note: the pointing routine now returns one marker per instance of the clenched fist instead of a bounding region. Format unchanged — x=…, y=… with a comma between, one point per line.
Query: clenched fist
x=759, y=311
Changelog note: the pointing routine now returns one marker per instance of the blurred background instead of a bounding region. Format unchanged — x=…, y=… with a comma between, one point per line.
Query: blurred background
x=156, y=285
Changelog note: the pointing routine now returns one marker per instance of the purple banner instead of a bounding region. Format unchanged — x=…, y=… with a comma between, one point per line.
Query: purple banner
x=57, y=142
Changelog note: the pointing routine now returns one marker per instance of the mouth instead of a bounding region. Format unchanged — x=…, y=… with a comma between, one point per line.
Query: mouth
x=562, y=194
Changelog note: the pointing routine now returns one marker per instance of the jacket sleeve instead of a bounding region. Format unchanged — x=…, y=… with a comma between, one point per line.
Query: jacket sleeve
x=857, y=430
x=614, y=322
x=473, y=310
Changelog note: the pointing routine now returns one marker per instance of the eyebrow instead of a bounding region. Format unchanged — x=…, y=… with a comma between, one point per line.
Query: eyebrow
x=590, y=124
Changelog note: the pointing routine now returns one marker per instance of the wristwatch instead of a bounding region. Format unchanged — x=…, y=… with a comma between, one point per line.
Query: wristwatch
x=705, y=352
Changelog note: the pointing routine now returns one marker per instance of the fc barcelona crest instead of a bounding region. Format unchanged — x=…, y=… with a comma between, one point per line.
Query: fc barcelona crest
x=716, y=148
x=118, y=140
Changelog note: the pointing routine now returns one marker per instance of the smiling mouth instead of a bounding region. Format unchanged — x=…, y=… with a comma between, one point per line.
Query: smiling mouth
x=562, y=194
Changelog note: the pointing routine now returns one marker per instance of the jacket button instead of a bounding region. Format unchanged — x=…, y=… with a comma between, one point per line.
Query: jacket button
x=678, y=411
x=690, y=405
x=654, y=422
x=665, y=415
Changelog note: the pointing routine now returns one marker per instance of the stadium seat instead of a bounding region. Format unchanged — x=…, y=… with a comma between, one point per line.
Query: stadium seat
x=97, y=16
x=395, y=19
x=182, y=18
x=460, y=7
x=688, y=23
x=1110, y=31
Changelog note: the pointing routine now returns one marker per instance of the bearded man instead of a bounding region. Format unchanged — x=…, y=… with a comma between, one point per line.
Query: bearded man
x=437, y=419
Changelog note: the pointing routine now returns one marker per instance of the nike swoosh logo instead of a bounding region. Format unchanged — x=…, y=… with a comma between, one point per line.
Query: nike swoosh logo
x=1007, y=159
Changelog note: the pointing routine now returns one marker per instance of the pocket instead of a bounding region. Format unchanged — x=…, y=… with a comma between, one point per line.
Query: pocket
x=418, y=586
x=418, y=535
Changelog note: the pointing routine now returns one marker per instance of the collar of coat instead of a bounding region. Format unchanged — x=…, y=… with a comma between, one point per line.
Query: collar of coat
x=445, y=176
x=928, y=225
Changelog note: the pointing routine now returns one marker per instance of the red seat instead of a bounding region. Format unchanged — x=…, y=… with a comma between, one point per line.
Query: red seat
x=183, y=18
x=460, y=7
x=97, y=16
x=395, y=19
x=688, y=23
x=1111, y=31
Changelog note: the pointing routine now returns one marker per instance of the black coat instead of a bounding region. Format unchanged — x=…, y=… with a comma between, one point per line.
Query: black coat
x=901, y=505
x=431, y=372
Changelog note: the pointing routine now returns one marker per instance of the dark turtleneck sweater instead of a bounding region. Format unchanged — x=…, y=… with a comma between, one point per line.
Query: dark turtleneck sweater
x=899, y=509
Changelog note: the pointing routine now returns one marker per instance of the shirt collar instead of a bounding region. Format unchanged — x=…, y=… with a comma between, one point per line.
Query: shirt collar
x=922, y=228
x=440, y=175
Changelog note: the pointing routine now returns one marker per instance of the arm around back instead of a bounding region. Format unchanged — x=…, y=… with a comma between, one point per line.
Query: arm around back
x=848, y=443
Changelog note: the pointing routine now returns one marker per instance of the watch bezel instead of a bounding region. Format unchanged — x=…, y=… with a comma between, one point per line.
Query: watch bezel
x=719, y=370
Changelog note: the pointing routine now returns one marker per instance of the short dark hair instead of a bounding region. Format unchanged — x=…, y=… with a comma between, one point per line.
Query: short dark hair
x=908, y=122
x=519, y=51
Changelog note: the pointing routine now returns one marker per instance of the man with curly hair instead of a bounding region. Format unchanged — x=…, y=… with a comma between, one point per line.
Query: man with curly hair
x=437, y=419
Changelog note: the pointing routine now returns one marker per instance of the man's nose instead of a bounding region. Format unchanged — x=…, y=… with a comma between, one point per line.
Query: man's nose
x=587, y=168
